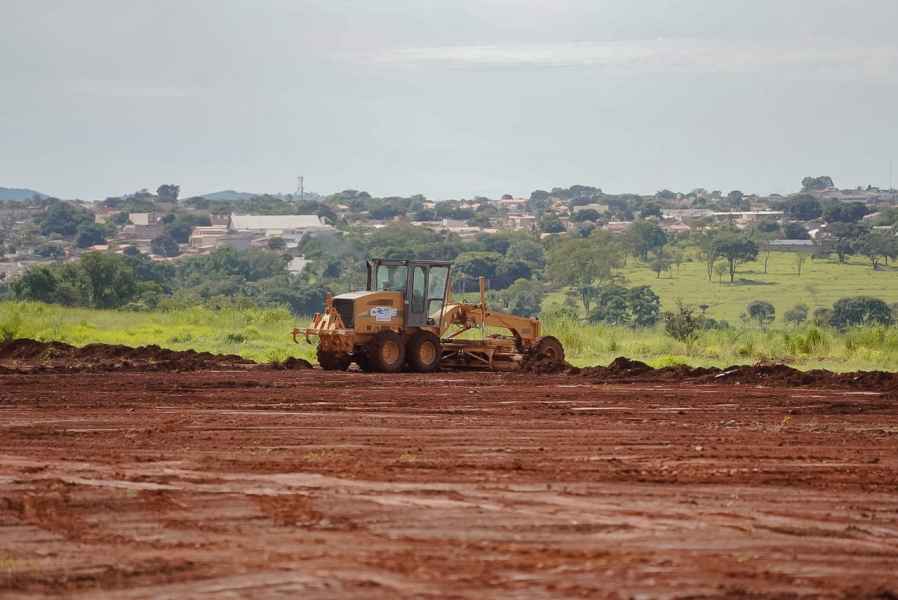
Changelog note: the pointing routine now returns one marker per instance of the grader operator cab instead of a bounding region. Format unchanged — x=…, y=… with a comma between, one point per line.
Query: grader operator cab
x=406, y=320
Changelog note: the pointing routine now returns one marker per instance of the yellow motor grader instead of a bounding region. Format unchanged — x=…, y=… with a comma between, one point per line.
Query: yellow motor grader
x=405, y=320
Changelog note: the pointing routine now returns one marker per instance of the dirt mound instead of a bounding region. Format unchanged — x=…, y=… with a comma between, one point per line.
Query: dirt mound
x=623, y=370
x=291, y=364
x=32, y=355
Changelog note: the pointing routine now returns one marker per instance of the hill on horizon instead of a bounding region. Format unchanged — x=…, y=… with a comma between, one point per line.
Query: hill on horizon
x=19, y=194
x=228, y=196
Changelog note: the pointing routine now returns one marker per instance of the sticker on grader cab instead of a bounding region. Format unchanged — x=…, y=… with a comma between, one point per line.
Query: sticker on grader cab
x=384, y=313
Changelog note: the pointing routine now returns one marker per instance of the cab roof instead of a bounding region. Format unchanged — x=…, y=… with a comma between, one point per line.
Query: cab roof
x=390, y=262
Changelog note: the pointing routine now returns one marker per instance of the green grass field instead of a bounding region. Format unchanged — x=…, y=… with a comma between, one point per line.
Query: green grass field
x=822, y=282
x=264, y=335
x=259, y=334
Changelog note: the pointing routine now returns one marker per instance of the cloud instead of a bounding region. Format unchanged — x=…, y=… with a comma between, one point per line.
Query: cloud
x=661, y=56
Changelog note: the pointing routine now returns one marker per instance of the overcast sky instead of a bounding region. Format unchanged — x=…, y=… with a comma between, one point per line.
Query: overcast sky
x=447, y=98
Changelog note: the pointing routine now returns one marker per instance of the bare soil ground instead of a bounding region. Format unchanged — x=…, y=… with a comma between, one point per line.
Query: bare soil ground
x=307, y=484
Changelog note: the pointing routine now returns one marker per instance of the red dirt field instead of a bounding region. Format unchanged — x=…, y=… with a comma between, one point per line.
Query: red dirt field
x=310, y=484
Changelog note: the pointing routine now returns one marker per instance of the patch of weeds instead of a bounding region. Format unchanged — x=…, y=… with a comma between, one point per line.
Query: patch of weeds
x=10, y=327
x=235, y=338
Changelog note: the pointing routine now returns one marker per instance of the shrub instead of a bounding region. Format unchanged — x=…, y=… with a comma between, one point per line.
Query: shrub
x=762, y=312
x=10, y=326
x=636, y=307
x=164, y=245
x=682, y=324
x=823, y=317
x=796, y=315
x=859, y=311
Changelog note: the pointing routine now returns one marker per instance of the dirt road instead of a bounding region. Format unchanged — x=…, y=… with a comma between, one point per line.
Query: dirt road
x=317, y=485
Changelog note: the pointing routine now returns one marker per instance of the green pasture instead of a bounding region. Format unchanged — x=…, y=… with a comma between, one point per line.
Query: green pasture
x=822, y=282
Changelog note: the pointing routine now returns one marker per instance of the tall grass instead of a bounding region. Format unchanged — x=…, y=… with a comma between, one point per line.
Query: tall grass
x=258, y=334
x=868, y=348
x=264, y=335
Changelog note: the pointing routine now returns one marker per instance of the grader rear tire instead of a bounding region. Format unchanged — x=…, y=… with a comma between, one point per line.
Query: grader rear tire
x=333, y=361
x=424, y=352
x=386, y=353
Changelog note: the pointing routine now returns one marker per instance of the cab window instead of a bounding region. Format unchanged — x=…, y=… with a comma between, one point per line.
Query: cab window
x=436, y=289
x=418, y=289
x=390, y=278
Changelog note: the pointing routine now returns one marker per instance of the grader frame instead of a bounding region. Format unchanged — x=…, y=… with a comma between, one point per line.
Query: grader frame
x=406, y=319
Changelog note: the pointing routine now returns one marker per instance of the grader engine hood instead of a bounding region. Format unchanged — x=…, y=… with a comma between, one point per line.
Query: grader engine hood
x=369, y=311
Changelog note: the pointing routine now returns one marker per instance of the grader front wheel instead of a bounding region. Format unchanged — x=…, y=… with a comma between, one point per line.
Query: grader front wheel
x=546, y=355
x=424, y=352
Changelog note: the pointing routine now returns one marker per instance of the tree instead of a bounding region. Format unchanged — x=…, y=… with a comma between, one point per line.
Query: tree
x=582, y=263
x=509, y=270
x=800, y=259
x=168, y=192
x=474, y=265
x=650, y=210
x=424, y=214
x=527, y=250
x=796, y=315
x=611, y=306
x=551, y=224
x=660, y=264
x=277, y=244
x=635, y=307
x=643, y=237
x=736, y=200
x=90, y=234
x=120, y=218
x=480, y=220
x=803, y=207
x=523, y=298
x=859, y=311
x=762, y=312
x=179, y=231
x=38, y=283
x=50, y=250
x=850, y=212
x=584, y=230
x=64, y=219
x=735, y=248
x=111, y=282
x=164, y=245
x=645, y=306
x=538, y=202
x=845, y=237
x=817, y=183
x=876, y=246
x=587, y=214
x=795, y=231
x=708, y=251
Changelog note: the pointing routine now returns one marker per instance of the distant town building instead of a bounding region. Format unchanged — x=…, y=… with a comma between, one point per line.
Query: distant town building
x=143, y=218
x=791, y=244
x=290, y=227
x=521, y=222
